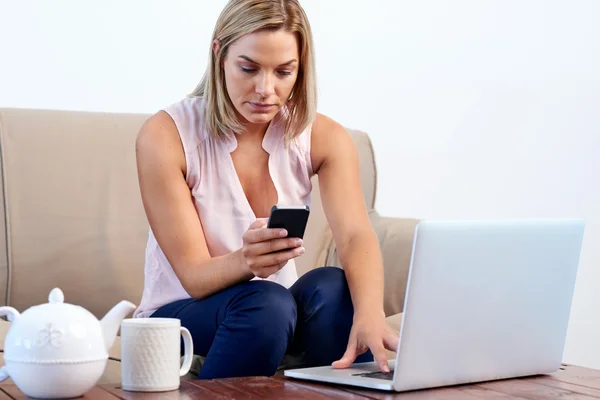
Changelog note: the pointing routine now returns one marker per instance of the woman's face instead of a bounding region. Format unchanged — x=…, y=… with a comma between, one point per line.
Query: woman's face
x=260, y=72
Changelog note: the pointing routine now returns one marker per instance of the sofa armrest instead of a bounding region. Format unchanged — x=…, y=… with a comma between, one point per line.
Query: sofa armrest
x=396, y=236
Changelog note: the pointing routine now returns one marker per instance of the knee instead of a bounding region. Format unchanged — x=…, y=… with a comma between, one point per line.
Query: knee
x=327, y=285
x=270, y=307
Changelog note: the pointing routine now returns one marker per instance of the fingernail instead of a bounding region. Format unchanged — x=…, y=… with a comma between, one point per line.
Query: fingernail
x=283, y=232
x=301, y=250
x=299, y=242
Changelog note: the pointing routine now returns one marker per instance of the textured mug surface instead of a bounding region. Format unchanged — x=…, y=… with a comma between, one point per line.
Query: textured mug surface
x=151, y=354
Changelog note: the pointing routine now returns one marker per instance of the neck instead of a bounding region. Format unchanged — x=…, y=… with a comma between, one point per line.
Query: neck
x=256, y=130
x=253, y=131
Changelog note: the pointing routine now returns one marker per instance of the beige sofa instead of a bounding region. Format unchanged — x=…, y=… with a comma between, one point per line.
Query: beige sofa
x=72, y=216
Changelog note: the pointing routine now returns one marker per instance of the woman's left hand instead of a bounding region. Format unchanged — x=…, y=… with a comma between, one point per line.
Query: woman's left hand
x=369, y=332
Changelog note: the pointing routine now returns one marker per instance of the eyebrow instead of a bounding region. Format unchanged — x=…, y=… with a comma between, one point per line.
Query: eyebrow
x=254, y=62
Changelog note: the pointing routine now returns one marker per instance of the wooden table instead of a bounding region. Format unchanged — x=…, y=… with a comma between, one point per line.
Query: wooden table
x=570, y=382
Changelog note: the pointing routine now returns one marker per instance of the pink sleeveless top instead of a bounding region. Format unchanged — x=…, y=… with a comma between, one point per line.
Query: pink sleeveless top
x=219, y=198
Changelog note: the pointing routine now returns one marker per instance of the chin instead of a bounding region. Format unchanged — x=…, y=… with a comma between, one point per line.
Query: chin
x=258, y=117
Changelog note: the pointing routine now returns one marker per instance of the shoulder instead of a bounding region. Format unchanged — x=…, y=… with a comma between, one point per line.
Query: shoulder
x=159, y=127
x=329, y=139
x=158, y=141
x=187, y=115
x=325, y=128
x=190, y=107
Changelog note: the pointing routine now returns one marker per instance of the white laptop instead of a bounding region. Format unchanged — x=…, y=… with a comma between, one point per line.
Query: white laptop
x=485, y=300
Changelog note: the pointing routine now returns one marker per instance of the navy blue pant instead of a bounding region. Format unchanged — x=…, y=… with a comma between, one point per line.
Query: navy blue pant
x=246, y=330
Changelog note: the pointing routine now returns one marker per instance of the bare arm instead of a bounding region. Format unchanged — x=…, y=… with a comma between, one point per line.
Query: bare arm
x=174, y=221
x=342, y=196
x=335, y=156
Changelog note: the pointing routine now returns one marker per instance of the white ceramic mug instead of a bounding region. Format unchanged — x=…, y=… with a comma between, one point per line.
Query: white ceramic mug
x=151, y=354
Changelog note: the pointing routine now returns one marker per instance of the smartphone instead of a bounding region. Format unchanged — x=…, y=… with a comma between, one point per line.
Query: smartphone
x=291, y=218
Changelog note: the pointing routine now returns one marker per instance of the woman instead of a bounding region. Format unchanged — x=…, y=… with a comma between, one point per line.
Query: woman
x=211, y=167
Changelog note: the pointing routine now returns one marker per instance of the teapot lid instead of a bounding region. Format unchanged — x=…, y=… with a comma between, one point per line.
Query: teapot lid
x=56, y=296
x=56, y=308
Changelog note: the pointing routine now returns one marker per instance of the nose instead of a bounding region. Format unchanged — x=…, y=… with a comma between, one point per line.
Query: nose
x=265, y=85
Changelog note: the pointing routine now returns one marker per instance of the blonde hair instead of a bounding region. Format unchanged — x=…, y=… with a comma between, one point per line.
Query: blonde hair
x=242, y=17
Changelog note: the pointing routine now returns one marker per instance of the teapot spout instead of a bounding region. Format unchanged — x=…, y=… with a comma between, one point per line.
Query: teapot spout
x=112, y=320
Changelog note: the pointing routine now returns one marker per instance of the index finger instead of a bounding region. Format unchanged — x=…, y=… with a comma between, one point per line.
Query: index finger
x=259, y=223
x=262, y=234
x=380, y=356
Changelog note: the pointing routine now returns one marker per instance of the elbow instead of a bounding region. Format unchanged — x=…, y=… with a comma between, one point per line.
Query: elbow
x=201, y=278
x=193, y=290
x=191, y=279
x=196, y=290
x=197, y=293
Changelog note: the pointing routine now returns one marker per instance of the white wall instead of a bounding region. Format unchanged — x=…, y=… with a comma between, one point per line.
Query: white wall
x=477, y=109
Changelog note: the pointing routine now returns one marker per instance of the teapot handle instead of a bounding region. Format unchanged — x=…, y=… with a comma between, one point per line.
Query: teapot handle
x=4, y=373
x=10, y=312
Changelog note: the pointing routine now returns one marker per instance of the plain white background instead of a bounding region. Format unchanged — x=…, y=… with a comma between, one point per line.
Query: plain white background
x=477, y=109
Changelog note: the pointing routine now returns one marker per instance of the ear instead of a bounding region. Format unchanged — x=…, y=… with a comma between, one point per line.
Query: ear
x=216, y=45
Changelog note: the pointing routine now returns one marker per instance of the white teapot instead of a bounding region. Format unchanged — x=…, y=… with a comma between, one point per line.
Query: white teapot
x=57, y=349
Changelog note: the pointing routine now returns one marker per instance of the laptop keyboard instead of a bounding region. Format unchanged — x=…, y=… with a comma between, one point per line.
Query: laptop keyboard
x=389, y=376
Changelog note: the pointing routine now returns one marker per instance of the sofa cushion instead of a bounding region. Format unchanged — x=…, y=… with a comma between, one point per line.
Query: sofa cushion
x=75, y=216
x=4, y=273
x=396, y=236
x=4, y=327
x=368, y=167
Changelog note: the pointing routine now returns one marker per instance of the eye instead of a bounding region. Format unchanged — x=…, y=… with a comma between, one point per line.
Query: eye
x=248, y=70
x=285, y=73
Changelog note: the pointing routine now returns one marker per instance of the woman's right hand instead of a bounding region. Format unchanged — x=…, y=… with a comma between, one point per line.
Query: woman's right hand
x=265, y=250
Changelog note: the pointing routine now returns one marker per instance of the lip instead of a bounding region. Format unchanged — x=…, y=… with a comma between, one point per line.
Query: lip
x=261, y=106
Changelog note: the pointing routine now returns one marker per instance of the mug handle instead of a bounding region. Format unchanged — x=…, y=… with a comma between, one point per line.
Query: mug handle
x=188, y=349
